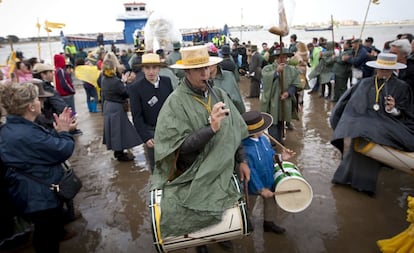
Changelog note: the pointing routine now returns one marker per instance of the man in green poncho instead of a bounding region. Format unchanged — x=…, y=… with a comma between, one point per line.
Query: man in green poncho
x=280, y=83
x=198, y=146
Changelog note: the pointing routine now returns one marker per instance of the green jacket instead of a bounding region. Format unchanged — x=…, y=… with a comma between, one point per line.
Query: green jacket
x=226, y=81
x=270, y=100
x=197, y=198
x=324, y=68
x=342, y=68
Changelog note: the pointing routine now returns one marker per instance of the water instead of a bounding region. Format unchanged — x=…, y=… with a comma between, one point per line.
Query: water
x=381, y=34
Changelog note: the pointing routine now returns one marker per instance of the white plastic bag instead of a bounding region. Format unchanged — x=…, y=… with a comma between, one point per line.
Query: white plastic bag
x=312, y=82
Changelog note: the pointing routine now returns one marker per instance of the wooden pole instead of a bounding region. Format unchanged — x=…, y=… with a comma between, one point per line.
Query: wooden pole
x=282, y=85
x=333, y=35
x=38, y=39
x=275, y=141
x=241, y=25
x=365, y=19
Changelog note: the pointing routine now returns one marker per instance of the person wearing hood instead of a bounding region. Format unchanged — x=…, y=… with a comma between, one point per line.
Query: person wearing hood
x=63, y=81
x=260, y=157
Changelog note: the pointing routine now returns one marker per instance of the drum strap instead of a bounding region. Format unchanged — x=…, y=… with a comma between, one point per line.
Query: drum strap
x=279, y=162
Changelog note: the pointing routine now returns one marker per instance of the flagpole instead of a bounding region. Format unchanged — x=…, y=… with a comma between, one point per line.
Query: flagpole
x=241, y=24
x=38, y=38
x=332, y=24
x=365, y=19
x=50, y=48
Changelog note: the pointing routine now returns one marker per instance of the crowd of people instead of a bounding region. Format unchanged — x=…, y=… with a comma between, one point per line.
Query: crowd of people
x=188, y=113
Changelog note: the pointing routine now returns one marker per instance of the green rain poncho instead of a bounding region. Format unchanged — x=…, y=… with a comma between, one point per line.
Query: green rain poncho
x=198, y=197
x=270, y=100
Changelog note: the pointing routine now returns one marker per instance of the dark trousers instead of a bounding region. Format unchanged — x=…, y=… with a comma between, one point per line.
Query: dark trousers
x=150, y=157
x=150, y=151
x=254, y=88
x=276, y=131
x=48, y=230
x=341, y=85
x=324, y=86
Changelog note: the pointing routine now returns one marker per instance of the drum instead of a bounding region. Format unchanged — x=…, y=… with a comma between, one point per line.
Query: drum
x=292, y=192
x=395, y=158
x=232, y=226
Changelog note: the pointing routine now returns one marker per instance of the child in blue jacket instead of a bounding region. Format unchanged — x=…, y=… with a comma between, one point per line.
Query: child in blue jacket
x=259, y=154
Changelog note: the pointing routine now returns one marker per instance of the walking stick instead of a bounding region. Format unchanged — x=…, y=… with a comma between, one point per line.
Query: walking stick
x=282, y=102
x=246, y=193
x=275, y=141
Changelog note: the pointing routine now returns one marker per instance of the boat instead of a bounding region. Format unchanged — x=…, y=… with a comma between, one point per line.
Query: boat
x=318, y=28
x=134, y=17
x=194, y=35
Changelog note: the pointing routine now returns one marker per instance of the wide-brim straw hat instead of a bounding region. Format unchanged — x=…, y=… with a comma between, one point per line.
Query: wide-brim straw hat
x=42, y=67
x=195, y=57
x=386, y=61
x=151, y=59
x=257, y=121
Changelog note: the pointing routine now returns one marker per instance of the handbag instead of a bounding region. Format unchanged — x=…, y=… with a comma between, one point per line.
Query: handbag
x=68, y=186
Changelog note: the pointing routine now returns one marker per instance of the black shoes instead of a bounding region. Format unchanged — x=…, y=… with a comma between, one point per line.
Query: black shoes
x=226, y=245
x=289, y=126
x=123, y=157
x=202, y=249
x=269, y=226
x=252, y=97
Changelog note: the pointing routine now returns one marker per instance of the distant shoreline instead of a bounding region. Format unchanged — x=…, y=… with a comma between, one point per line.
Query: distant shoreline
x=25, y=40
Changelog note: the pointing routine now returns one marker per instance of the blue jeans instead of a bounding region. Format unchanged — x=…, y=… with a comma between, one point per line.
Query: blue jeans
x=91, y=94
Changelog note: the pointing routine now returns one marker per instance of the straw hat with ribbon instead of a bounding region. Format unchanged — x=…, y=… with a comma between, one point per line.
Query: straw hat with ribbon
x=152, y=59
x=386, y=61
x=195, y=57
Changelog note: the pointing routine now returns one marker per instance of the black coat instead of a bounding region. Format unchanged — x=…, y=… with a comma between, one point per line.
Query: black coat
x=353, y=116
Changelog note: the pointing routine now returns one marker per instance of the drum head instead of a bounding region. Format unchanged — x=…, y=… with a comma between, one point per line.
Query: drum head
x=297, y=201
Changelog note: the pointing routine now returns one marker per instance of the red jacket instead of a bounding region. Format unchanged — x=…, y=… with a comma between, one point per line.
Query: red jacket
x=63, y=85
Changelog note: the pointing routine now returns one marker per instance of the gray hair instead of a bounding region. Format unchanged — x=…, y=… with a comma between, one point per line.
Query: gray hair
x=16, y=97
x=404, y=46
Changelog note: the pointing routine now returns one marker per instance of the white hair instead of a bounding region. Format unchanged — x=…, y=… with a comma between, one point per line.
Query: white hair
x=404, y=46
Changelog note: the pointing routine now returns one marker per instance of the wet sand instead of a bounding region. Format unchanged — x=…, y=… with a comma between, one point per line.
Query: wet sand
x=114, y=198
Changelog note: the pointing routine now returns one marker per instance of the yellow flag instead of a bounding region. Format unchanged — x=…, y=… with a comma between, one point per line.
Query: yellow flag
x=48, y=29
x=89, y=74
x=11, y=62
x=375, y=1
x=54, y=25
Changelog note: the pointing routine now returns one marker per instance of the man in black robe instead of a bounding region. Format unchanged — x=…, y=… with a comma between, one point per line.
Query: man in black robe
x=377, y=109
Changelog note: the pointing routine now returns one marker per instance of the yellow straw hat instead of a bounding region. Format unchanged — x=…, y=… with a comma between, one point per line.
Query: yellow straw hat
x=195, y=57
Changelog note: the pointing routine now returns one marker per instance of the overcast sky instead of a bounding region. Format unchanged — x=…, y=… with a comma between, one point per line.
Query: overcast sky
x=19, y=17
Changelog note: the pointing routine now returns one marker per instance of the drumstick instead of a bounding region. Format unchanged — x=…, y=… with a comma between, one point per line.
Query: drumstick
x=275, y=141
x=287, y=191
x=246, y=194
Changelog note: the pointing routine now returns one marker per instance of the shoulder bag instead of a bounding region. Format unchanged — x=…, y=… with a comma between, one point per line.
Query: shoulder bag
x=68, y=186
